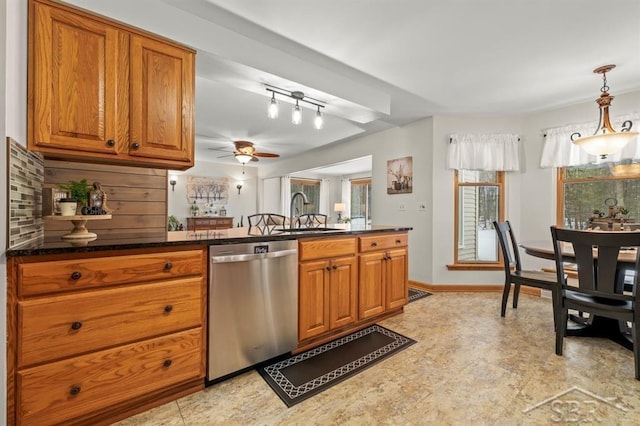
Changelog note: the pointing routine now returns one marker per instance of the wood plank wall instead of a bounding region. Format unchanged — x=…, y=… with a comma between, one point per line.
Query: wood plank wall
x=137, y=197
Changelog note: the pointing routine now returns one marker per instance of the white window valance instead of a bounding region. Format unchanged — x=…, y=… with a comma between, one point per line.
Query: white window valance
x=559, y=151
x=490, y=152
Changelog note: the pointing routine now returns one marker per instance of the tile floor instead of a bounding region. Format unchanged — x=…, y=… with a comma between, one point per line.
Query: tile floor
x=470, y=366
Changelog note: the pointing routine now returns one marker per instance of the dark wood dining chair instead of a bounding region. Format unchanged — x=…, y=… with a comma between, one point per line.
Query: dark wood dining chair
x=312, y=220
x=267, y=219
x=513, y=272
x=600, y=291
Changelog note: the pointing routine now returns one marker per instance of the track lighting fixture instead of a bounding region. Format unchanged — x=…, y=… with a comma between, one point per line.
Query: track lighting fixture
x=273, y=107
x=296, y=113
x=318, y=121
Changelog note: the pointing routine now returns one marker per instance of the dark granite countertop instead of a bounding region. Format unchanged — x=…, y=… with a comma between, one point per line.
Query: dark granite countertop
x=57, y=245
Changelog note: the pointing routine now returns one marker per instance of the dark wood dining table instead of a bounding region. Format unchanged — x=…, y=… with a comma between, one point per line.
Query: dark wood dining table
x=594, y=325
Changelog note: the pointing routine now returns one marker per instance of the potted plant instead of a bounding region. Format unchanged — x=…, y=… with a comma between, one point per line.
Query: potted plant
x=174, y=224
x=78, y=193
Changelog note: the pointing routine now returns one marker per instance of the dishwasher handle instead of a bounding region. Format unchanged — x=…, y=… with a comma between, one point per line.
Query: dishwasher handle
x=251, y=256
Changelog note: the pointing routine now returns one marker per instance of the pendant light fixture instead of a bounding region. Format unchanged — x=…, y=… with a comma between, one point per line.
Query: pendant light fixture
x=605, y=140
x=296, y=112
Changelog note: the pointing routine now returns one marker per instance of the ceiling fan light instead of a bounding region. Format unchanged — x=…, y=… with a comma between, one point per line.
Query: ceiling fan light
x=272, y=111
x=318, y=120
x=296, y=114
x=243, y=158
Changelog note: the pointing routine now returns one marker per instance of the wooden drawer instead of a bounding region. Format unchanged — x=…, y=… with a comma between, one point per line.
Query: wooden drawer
x=59, y=391
x=382, y=242
x=325, y=248
x=67, y=325
x=65, y=275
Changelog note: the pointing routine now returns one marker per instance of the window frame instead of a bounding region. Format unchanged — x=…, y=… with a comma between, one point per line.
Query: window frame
x=561, y=180
x=476, y=265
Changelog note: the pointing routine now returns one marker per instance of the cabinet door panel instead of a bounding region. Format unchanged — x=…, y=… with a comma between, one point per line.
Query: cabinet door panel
x=396, y=278
x=371, y=297
x=75, y=74
x=162, y=86
x=344, y=292
x=313, y=311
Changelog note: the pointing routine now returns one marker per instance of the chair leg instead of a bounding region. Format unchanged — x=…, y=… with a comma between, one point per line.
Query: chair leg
x=561, y=328
x=505, y=297
x=635, y=331
x=554, y=302
x=516, y=294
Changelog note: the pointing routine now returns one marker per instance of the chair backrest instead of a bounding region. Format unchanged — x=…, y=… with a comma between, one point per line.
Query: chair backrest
x=312, y=220
x=508, y=245
x=596, y=255
x=266, y=219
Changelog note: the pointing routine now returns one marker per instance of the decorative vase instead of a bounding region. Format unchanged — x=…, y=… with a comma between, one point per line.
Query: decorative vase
x=67, y=206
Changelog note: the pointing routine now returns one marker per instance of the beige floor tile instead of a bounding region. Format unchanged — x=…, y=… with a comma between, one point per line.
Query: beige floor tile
x=469, y=366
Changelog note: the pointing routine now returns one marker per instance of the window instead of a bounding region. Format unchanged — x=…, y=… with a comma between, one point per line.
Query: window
x=479, y=201
x=310, y=188
x=360, y=202
x=584, y=189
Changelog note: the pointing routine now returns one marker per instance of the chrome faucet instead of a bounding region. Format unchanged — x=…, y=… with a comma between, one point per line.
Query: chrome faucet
x=305, y=201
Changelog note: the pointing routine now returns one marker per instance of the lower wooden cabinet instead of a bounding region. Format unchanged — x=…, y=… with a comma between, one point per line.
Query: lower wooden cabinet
x=341, y=287
x=327, y=295
x=383, y=281
x=90, y=349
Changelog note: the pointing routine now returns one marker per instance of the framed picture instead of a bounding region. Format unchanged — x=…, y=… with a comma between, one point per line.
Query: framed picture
x=400, y=176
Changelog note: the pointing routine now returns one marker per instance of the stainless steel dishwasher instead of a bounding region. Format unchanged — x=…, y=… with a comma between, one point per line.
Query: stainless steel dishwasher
x=253, y=304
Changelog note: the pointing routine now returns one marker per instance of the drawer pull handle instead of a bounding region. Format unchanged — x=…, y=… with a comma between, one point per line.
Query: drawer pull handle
x=135, y=145
x=76, y=325
x=75, y=389
x=76, y=275
x=374, y=244
x=167, y=363
x=168, y=308
x=398, y=241
x=168, y=266
x=111, y=143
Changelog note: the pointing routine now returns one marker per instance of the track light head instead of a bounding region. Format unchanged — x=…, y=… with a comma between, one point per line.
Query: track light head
x=296, y=114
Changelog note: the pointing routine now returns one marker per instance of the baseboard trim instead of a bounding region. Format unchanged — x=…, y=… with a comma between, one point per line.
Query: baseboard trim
x=453, y=288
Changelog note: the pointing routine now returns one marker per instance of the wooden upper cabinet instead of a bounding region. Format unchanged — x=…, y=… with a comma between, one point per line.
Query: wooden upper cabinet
x=100, y=91
x=75, y=82
x=161, y=100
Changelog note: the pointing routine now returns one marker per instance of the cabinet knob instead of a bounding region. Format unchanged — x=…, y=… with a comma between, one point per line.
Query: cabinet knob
x=168, y=308
x=75, y=389
x=374, y=244
x=398, y=241
x=111, y=143
x=334, y=267
x=76, y=275
x=135, y=145
x=168, y=266
x=328, y=268
x=76, y=325
x=166, y=363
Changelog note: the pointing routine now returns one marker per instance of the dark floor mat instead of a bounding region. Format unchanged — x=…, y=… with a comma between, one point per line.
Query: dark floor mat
x=301, y=376
x=415, y=294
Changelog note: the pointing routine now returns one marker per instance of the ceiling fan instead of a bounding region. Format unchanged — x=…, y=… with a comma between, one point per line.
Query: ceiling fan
x=245, y=152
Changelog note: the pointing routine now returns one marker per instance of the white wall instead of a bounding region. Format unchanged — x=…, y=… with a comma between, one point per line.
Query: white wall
x=242, y=204
x=13, y=119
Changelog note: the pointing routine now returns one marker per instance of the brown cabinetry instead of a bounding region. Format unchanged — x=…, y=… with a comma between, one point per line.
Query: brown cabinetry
x=220, y=222
x=103, y=92
x=100, y=337
x=383, y=274
x=327, y=286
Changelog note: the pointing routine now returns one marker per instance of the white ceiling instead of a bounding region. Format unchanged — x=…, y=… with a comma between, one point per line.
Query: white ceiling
x=384, y=63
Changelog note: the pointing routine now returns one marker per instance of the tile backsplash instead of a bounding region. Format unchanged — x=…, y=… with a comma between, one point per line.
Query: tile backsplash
x=26, y=179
